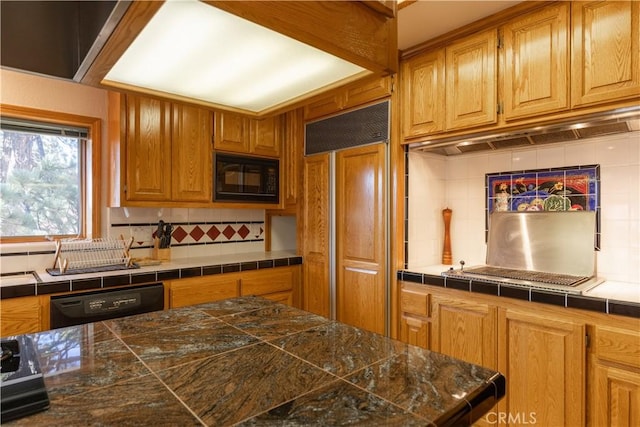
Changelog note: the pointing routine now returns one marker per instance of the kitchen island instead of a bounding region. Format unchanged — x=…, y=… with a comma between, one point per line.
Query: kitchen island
x=250, y=361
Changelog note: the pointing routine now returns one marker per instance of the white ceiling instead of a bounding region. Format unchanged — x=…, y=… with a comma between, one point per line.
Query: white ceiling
x=425, y=19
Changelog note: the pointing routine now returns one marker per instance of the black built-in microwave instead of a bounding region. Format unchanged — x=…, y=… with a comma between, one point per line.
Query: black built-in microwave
x=239, y=178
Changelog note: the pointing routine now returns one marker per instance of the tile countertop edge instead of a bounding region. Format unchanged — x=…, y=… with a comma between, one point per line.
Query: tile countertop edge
x=609, y=297
x=169, y=270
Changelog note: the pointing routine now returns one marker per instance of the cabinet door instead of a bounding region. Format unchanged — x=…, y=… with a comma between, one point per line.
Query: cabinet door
x=231, y=132
x=292, y=157
x=606, y=51
x=423, y=97
x=20, y=316
x=266, y=136
x=465, y=330
x=326, y=105
x=148, y=158
x=367, y=91
x=415, y=310
x=315, y=218
x=198, y=290
x=536, y=75
x=191, y=154
x=361, y=237
x=615, y=399
x=543, y=359
x=471, y=74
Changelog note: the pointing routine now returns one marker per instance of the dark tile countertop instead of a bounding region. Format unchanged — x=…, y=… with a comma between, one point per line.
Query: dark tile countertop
x=250, y=361
x=609, y=297
x=43, y=283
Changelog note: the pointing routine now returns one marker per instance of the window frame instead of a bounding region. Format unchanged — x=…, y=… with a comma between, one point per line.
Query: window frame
x=91, y=195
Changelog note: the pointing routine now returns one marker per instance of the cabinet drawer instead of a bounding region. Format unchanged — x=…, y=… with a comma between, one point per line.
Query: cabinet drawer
x=415, y=302
x=617, y=345
x=267, y=282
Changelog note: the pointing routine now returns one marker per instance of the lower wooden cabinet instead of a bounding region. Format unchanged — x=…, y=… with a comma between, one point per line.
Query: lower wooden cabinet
x=466, y=330
x=279, y=284
x=23, y=315
x=543, y=359
x=415, y=308
x=614, y=391
x=198, y=290
x=563, y=367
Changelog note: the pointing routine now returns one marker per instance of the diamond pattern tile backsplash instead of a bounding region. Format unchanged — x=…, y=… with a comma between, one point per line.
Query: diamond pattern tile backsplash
x=191, y=227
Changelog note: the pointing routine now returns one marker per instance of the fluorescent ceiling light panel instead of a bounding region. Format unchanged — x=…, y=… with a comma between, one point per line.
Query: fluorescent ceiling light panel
x=198, y=51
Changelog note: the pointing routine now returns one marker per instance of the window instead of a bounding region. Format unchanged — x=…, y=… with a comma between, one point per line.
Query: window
x=47, y=169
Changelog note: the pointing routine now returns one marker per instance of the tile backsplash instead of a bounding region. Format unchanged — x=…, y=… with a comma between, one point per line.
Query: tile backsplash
x=458, y=182
x=196, y=232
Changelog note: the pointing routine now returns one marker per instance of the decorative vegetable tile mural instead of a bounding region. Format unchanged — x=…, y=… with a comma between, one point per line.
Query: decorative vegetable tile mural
x=556, y=189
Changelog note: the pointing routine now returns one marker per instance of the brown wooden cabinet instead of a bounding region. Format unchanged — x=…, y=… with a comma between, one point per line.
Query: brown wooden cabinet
x=191, y=155
x=315, y=231
x=466, y=330
x=147, y=163
x=349, y=96
x=415, y=315
x=281, y=284
x=541, y=350
x=536, y=58
x=543, y=359
x=605, y=51
x=534, y=63
x=198, y=290
x=240, y=134
x=23, y=315
x=160, y=152
x=614, y=392
x=361, y=237
x=423, y=94
x=472, y=81
x=292, y=158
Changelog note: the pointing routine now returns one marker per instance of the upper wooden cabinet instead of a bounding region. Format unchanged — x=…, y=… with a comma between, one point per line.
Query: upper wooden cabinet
x=423, y=94
x=191, y=154
x=231, y=132
x=606, y=51
x=531, y=65
x=348, y=96
x=472, y=81
x=148, y=149
x=536, y=58
x=167, y=151
x=451, y=88
x=239, y=134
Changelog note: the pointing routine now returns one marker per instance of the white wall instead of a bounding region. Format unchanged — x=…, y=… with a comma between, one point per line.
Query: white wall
x=458, y=182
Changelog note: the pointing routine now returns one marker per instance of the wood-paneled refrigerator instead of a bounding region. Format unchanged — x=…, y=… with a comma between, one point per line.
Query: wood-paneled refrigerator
x=345, y=217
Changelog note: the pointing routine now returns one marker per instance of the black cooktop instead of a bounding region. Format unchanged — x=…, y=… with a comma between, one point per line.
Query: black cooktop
x=22, y=389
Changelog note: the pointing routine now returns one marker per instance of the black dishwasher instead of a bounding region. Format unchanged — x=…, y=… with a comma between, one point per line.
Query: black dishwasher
x=94, y=306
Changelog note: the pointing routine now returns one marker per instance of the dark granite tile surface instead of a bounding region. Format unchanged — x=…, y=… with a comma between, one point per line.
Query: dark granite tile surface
x=275, y=321
x=423, y=382
x=233, y=306
x=333, y=405
x=129, y=403
x=169, y=347
x=154, y=321
x=339, y=348
x=211, y=365
x=78, y=359
x=234, y=386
